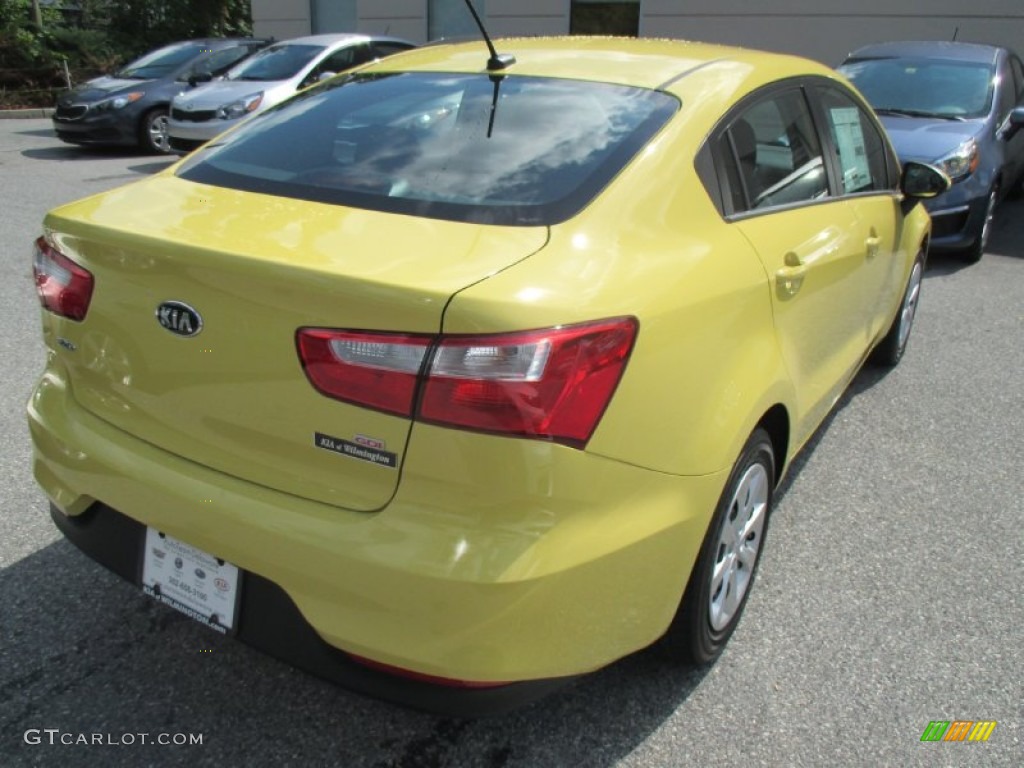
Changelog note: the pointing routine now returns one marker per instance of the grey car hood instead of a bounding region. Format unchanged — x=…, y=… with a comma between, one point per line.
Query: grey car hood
x=100, y=88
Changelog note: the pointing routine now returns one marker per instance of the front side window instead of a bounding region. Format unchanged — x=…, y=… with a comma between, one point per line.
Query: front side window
x=216, y=63
x=858, y=144
x=920, y=87
x=463, y=147
x=771, y=154
x=340, y=60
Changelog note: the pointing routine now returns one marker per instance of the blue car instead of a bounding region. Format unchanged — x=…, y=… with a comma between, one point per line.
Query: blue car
x=959, y=107
x=130, y=107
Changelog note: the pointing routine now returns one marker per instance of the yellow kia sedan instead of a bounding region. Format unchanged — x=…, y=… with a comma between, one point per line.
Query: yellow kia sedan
x=461, y=376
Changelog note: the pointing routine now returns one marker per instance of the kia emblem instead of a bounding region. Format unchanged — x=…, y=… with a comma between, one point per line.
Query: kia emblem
x=179, y=318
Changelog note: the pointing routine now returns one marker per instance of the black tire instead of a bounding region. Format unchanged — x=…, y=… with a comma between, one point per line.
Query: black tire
x=153, y=131
x=973, y=254
x=892, y=346
x=700, y=630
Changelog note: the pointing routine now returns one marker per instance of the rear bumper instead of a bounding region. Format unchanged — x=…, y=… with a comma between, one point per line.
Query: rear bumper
x=559, y=563
x=270, y=621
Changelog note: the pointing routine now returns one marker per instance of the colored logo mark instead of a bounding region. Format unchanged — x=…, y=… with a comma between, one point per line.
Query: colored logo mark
x=958, y=730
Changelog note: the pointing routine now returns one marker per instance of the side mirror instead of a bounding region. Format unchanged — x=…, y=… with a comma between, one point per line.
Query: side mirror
x=325, y=76
x=921, y=181
x=199, y=77
x=1013, y=123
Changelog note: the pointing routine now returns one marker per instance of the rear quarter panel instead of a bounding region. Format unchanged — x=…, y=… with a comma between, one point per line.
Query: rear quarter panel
x=706, y=365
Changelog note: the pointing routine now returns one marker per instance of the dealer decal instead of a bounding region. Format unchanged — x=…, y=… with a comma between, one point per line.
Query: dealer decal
x=364, y=450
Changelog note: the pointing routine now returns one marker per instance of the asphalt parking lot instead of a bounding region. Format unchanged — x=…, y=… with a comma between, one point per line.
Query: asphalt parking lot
x=889, y=595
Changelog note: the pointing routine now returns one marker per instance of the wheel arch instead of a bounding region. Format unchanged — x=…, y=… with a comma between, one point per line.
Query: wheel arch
x=159, y=105
x=776, y=423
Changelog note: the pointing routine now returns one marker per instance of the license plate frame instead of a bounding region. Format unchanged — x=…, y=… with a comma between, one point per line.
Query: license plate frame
x=192, y=581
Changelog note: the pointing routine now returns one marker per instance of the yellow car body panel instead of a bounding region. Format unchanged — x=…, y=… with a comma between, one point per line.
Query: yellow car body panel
x=499, y=586
x=238, y=401
x=478, y=557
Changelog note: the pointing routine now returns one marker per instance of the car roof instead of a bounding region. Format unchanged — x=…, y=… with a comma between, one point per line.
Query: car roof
x=930, y=49
x=216, y=41
x=645, y=63
x=345, y=37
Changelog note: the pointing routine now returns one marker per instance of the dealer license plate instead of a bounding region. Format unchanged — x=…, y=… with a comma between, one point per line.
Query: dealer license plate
x=190, y=580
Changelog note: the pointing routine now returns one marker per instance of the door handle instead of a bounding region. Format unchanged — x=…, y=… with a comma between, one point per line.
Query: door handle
x=790, y=278
x=873, y=243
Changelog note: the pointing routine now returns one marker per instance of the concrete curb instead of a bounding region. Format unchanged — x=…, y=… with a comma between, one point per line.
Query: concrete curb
x=36, y=112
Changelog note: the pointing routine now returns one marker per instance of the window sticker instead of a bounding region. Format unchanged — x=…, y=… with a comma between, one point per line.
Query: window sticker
x=852, y=150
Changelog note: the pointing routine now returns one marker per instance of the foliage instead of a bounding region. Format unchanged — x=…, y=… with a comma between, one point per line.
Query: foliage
x=95, y=36
x=145, y=24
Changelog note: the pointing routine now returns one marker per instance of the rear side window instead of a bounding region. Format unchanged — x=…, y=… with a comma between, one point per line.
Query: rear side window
x=515, y=150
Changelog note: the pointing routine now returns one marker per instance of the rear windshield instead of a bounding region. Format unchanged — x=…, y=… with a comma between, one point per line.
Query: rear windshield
x=512, y=150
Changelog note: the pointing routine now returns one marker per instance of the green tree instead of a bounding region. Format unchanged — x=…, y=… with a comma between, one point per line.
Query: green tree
x=36, y=47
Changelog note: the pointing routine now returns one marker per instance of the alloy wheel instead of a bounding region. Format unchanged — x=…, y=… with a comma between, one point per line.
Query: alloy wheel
x=739, y=543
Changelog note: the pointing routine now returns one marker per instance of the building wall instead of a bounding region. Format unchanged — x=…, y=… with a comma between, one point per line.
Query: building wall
x=401, y=18
x=281, y=18
x=806, y=27
x=827, y=33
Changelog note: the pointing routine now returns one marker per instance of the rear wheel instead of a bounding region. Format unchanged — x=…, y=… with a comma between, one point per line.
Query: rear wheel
x=724, y=573
x=153, y=132
x=890, y=350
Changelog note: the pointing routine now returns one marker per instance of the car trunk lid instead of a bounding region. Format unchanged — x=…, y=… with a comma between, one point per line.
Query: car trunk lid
x=232, y=394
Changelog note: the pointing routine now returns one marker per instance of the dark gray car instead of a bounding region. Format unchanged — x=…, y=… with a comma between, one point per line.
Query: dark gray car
x=130, y=107
x=960, y=107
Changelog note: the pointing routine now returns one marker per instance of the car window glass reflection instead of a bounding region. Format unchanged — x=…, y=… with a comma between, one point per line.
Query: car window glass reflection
x=923, y=87
x=521, y=151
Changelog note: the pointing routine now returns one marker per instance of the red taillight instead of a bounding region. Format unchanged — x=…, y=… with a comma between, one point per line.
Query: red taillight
x=64, y=288
x=378, y=370
x=550, y=384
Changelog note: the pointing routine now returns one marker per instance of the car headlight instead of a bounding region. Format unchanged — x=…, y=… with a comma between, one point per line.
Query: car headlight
x=961, y=162
x=240, y=108
x=121, y=101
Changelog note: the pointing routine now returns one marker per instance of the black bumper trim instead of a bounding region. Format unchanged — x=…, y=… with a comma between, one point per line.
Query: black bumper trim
x=270, y=621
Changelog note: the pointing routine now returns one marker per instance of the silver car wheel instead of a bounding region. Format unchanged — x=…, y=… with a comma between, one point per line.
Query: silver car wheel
x=158, y=134
x=739, y=543
x=909, y=308
x=986, y=225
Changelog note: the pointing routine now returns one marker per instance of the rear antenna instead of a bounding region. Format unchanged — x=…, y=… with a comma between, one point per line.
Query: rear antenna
x=498, y=61
x=955, y=33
